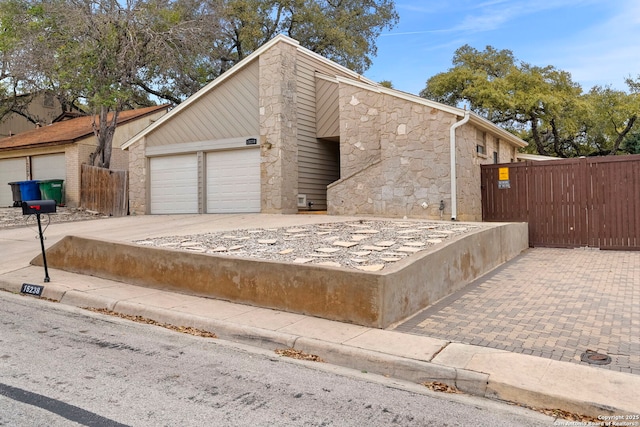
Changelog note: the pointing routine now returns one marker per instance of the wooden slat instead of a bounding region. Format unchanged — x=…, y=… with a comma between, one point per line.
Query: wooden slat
x=105, y=191
x=570, y=203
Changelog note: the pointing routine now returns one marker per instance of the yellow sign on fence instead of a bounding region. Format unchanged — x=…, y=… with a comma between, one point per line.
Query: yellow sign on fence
x=503, y=174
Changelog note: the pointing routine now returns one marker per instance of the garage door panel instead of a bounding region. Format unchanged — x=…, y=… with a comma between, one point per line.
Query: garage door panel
x=233, y=181
x=174, y=184
x=49, y=166
x=11, y=170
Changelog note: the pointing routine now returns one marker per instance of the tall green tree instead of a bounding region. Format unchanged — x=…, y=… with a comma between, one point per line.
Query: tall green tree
x=110, y=55
x=540, y=104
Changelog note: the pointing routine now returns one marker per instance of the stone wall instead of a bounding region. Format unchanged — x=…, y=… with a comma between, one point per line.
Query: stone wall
x=137, y=178
x=278, y=130
x=395, y=158
x=411, y=176
x=468, y=169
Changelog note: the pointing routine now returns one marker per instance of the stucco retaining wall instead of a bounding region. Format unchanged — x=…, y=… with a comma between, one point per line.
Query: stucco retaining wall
x=373, y=299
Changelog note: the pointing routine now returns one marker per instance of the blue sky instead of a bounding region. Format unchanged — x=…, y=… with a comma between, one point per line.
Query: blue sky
x=597, y=41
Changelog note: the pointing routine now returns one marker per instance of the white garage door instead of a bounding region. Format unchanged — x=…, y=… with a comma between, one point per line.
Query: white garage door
x=11, y=170
x=174, y=184
x=49, y=166
x=233, y=181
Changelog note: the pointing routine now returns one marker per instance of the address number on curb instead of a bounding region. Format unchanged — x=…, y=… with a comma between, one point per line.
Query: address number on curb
x=32, y=289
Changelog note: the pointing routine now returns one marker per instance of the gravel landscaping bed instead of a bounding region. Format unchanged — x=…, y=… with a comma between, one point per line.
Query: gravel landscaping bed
x=365, y=244
x=12, y=217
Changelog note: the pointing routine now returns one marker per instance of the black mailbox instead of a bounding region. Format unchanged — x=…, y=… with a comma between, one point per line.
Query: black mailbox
x=31, y=207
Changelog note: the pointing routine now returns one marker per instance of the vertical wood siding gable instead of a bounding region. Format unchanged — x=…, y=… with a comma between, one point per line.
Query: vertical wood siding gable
x=229, y=110
x=318, y=161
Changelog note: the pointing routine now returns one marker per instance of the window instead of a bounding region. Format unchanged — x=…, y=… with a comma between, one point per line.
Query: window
x=481, y=148
x=495, y=157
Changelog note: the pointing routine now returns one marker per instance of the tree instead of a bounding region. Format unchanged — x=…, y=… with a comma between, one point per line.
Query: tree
x=110, y=55
x=540, y=104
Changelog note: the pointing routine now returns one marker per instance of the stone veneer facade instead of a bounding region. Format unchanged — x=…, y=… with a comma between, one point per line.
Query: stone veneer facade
x=278, y=130
x=395, y=159
x=138, y=165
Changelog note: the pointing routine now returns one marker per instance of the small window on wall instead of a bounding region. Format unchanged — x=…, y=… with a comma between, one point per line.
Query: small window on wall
x=495, y=157
x=481, y=148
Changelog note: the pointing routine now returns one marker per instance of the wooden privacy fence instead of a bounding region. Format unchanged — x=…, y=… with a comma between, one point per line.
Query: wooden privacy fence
x=569, y=203
x=104, y=190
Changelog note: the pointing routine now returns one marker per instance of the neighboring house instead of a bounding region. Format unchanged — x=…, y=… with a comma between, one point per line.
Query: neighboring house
x=57, y=151
x=286, y=129
x=42, y=107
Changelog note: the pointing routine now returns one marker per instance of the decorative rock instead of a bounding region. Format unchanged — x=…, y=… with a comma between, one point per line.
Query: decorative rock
x=413, y=230
x=359, y=238
x=302, y=260
x=359, y=260
x=255, y=231
x=373, y=248
x=268, y=241
x=323, y=233
x=459, y=229
x=390, y=259
x=320, y=255
x=327, y=250
x=371, y=267
x=361, y=253
x=145, y=242
x=235, y=248
x=434, y=241
x=386, y=243
x=344, y=244
x=285, y=252
x=228, y=236
x=195, y=248
x=219, y=249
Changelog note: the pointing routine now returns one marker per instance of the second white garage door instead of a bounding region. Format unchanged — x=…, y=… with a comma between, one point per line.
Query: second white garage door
x=49, y=166
x=233, y=181
x=174, y=184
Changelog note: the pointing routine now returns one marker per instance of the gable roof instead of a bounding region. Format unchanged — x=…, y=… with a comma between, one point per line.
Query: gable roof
x=68, y=131
x=353, y=78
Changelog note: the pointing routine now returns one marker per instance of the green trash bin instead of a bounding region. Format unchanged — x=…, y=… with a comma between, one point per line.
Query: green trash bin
x=52, y=189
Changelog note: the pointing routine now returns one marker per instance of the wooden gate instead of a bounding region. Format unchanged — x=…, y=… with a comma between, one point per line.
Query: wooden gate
x=568, y=203
x=104, y=190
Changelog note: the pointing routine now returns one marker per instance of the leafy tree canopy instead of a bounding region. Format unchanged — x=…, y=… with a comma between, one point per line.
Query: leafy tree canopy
x=111, y=55
x=540, y=104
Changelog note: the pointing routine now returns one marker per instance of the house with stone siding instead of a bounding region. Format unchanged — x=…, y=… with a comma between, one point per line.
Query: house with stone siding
x=286, y=130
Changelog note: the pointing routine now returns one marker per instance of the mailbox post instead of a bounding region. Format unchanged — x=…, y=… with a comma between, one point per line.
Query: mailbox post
x=37, y=207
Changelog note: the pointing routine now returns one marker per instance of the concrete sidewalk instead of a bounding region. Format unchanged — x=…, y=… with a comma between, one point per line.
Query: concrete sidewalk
x=478, y=370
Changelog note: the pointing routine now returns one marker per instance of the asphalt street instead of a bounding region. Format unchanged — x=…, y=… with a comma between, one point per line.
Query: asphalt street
x=64, y=366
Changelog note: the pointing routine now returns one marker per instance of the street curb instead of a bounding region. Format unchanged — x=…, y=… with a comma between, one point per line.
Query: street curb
x=402, y=368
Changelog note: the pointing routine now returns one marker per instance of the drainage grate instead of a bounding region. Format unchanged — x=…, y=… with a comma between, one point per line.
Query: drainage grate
x=595, y=358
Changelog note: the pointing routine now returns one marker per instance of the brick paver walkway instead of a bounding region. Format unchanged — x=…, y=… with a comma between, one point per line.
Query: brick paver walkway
x=554, y=303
